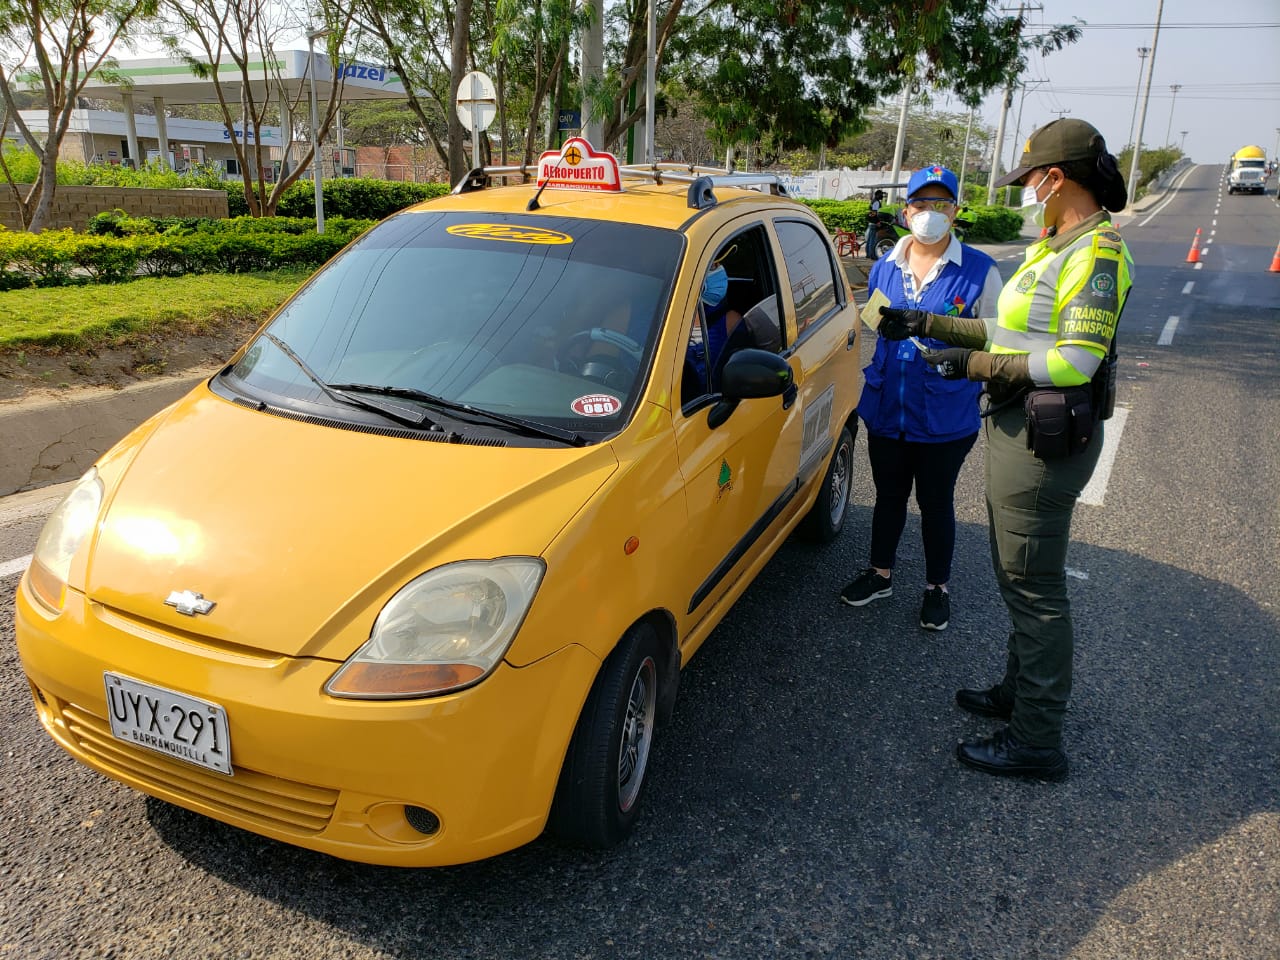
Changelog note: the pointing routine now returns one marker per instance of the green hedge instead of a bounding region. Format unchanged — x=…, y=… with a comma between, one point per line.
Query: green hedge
x=362, y=198
x=126, y=247
x=117, y=223
x=987, y=224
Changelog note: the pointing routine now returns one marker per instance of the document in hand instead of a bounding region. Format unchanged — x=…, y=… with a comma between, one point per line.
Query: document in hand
x=871, y=312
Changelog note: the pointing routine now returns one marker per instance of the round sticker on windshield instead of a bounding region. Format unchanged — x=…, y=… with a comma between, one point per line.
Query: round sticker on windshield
x=596, y=405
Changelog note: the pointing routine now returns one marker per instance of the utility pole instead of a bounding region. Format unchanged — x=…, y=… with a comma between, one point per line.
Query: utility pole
x=1004, y=116
x=1017, y=131
x=1137, y=93
x=900, y=143
x=1142, y=116
x=1168, y=138
x=1183, y=145
x=964, y=155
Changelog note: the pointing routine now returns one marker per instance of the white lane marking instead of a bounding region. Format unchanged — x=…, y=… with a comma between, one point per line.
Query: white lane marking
x=1199, y=266
x=1166, y=335
x=1214, y=224
x=1213, y=233
x=1187, y=287
x=1173, y=190
x=10, y=567
x=1209, y=241
x=1096, y=490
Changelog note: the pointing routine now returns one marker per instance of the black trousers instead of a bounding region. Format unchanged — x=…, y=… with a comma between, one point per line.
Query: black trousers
x=932, y=468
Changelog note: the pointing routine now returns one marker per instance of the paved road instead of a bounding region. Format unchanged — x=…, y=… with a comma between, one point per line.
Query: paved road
x=805, y=802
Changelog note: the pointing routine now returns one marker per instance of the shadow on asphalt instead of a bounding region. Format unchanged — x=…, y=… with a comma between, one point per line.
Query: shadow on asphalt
x=804, y=800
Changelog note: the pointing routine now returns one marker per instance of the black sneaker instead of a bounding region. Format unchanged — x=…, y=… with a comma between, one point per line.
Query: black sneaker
x=866, y=586
x=935, y=612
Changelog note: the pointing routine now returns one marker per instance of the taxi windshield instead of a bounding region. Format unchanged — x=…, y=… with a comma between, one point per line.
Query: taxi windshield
x=550, y=319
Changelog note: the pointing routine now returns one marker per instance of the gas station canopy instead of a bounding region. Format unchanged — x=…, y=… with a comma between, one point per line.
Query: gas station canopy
x=172, y=81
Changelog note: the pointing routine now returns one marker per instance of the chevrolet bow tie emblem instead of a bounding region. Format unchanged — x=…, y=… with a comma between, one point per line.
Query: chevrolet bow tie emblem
x=188, y=603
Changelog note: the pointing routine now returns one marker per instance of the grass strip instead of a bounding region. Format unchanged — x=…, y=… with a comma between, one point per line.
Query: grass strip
x=83, y=317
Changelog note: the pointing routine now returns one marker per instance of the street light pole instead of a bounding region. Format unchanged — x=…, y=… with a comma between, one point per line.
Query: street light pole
x=964, y=154
x=312, y=37
x=1137, y=94
x=1168, y=133
x=1182, y=146
x=1142, y=115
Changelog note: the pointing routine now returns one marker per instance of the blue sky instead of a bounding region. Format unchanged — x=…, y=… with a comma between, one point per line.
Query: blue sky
x=1229, y=74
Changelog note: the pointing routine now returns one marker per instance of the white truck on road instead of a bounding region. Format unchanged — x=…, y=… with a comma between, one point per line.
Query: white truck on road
x=1248, y=171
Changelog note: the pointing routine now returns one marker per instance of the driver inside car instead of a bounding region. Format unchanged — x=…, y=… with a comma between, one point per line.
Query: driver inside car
x=706, y=352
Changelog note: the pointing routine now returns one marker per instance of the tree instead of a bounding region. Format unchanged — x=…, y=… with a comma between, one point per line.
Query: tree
x=69, y=40
x=246, y=32
x=385, y=123
x=803, y=74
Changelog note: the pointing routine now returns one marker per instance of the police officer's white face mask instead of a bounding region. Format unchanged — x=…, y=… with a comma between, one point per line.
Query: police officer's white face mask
x=1031, y=204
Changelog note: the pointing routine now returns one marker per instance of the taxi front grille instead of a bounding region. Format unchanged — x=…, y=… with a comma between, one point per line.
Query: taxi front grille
x=265, y=800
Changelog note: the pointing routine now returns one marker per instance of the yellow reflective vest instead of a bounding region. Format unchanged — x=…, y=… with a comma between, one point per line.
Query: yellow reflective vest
x=1062, y=306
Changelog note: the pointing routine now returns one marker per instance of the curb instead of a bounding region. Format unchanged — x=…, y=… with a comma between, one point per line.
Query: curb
x=50, y=441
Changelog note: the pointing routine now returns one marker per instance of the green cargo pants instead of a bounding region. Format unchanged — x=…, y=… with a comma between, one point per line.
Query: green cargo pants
x=1029, y=506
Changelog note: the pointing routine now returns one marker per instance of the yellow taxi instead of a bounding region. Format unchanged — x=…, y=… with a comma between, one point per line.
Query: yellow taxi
x=411, y=580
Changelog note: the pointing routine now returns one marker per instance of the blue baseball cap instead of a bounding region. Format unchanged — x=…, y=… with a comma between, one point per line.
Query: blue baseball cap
x=935, y=174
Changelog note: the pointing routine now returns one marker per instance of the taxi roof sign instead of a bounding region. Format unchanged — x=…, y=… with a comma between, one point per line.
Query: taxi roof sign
x=578, y=166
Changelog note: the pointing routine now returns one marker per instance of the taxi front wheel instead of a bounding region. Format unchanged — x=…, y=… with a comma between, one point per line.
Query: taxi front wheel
x=825, y=519
x=598, y=796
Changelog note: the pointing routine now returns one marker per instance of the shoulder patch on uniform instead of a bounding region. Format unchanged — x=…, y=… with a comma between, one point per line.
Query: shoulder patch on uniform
x=1109, y=238
x=1026, y=282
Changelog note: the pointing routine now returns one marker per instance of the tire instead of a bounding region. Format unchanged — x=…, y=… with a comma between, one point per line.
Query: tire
x=825, y=518
x=602, y=782
x=884, y=245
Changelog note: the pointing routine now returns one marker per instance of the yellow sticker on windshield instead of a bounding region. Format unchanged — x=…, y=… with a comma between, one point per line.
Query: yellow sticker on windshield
x=510, y=232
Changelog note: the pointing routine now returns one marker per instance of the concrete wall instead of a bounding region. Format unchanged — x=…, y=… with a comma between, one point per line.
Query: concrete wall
x=73, y=206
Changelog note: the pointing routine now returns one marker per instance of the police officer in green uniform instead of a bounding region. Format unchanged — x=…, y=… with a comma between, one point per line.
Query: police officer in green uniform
x=1048, y=363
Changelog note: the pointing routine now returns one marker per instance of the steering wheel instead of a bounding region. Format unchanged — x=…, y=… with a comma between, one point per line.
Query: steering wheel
x=616, y=367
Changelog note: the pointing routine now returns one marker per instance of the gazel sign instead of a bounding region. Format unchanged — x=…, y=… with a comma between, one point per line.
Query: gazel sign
x=576, y=166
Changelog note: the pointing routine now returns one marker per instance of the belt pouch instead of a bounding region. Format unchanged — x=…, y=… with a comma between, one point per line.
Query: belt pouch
x=1059, y=422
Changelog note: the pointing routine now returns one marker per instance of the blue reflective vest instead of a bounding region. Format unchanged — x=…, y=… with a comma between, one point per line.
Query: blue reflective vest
x=902, y=396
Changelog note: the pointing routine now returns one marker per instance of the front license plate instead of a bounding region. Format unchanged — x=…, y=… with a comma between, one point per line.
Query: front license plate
x=168, y=722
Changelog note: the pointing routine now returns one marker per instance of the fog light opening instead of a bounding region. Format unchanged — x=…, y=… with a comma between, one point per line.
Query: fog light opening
x=422, y=820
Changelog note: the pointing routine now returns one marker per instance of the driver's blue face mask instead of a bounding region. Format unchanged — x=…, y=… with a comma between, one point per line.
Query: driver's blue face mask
x=715, y=286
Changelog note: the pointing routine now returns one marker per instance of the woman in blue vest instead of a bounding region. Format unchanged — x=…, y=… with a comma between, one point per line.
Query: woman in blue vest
x=921, y=426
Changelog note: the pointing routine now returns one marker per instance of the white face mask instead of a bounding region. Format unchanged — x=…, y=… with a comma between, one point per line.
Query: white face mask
x=930, y=226
x=1032, y=205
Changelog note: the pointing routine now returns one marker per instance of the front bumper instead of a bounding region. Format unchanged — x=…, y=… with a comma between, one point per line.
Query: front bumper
x=311, y=770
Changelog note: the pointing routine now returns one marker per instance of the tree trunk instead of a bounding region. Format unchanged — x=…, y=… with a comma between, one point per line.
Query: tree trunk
x=46, y=185
x=461, y=45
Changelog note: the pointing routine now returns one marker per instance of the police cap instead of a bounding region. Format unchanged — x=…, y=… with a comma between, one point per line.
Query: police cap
x=1056, y=142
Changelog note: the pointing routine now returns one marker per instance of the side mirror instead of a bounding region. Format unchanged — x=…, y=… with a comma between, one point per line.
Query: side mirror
x=750, y=374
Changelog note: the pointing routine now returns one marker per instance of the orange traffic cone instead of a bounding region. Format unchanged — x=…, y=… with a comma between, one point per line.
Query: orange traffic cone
x=1275, y=261
x=1193, y=255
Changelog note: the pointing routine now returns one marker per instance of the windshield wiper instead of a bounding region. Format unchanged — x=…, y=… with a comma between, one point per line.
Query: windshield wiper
x=405, y=415
x=518, y=423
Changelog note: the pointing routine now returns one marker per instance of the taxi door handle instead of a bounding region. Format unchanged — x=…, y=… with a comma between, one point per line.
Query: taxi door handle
x=853, y=338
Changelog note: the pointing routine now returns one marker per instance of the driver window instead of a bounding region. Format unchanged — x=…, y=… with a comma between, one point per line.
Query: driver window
x=738, y=309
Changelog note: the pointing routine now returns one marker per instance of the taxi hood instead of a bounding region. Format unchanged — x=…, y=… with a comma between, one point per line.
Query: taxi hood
x=298, y=532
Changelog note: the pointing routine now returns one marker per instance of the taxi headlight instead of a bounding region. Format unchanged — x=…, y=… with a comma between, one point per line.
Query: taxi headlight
x=64, y=532
x=442, y=631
